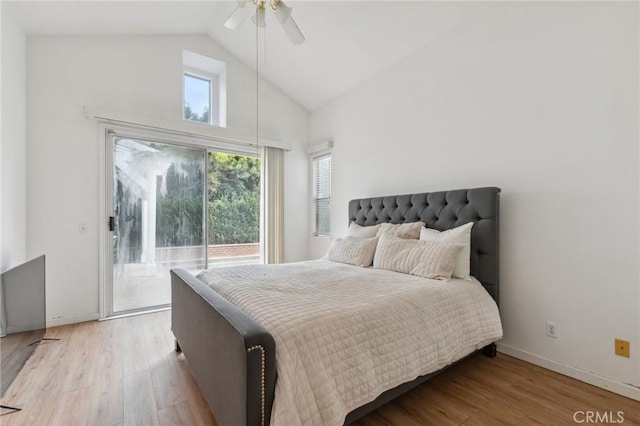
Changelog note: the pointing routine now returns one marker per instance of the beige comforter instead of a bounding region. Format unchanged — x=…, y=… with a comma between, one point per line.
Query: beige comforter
x=345, y=334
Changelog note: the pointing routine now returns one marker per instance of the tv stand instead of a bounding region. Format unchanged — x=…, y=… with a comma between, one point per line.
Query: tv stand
x=24, y=324
x=40, y=340
x=6, y=407
x=15, y=409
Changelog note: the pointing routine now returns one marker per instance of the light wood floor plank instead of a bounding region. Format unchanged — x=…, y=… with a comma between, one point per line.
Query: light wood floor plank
x=125, y=372
x=169, y=382
x=139, y=400
x=134, y=345
x=177, y=414
x=74, y=408
x=107, y=408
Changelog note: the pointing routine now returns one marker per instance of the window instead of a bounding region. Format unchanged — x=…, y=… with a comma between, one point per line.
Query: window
x=197, y=98
x=177, y=200
x=322, y=193
x=204, y=89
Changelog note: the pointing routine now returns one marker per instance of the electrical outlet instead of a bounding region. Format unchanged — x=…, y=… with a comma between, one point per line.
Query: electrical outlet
x=552, y=329
x=622, y=348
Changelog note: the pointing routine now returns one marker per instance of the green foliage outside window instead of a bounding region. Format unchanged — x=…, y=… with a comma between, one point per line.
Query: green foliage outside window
x=233, y=206
x=194, y=116
x=234, y=199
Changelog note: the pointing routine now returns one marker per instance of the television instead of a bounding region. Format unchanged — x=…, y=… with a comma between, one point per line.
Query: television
x=22, y=317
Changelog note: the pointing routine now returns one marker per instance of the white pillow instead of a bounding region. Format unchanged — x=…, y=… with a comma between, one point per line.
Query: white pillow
x=354, y=251
x=359, y=231
x=458, y=235
x=401, y=230
x=424, y=258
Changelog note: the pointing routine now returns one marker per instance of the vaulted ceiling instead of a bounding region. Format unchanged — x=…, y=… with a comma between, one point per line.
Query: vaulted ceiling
x=347, y=42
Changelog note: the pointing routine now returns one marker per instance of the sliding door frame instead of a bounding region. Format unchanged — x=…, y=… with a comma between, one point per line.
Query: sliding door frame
x=107, y=134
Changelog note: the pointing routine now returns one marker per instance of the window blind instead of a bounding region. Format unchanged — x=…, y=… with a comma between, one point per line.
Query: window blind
x=322, y=193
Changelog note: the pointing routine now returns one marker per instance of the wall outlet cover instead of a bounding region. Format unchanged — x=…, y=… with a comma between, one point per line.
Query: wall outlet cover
x=622, y=348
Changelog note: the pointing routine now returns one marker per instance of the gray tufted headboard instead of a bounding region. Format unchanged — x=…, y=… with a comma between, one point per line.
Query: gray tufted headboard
x=445, y=210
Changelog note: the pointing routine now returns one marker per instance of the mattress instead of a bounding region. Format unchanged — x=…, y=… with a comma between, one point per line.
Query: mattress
x=345, y=334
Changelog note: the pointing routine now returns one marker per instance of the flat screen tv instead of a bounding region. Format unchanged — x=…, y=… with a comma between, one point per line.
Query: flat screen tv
x=22, y=317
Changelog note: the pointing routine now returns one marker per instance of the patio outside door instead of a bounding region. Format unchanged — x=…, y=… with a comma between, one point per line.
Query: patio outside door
x=157, y=220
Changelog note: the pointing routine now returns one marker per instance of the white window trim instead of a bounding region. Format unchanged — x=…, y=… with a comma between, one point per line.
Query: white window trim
x=214, y=70
x=320, y=148
x=184, y=128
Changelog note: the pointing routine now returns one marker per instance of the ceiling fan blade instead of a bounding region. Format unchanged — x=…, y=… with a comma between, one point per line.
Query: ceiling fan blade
x=292, y=31
x=259, y=18
x=239, y=16
x=282, y=12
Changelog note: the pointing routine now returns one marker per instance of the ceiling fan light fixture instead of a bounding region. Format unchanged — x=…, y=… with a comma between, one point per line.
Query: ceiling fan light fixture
x=242, y=12
x=293, y=32
x=280, y=10
x=259, y=17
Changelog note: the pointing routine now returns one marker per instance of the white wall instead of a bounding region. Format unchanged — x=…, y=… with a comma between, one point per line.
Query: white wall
x=13, y=164
x=540, y=99
x=135, y=74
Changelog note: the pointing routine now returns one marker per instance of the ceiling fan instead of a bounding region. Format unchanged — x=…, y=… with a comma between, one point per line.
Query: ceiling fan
x=281, y=11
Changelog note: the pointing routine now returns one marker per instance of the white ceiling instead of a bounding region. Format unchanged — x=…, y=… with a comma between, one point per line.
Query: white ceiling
x=347, y=42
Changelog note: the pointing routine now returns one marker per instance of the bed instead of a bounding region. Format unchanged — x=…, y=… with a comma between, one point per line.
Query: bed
x=233, y=356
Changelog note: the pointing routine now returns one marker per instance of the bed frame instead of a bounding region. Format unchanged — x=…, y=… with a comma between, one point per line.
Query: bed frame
x=232, y=356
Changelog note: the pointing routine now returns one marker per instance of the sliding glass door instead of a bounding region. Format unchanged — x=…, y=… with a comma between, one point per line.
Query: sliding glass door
x=175, y=206
x=158, y=220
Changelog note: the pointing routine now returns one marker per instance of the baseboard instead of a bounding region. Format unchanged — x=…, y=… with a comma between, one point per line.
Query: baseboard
x=611, y=385
x=56, y=322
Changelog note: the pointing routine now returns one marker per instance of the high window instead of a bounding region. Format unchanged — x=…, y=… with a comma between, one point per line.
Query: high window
x=197, y=98
x=322, y=193
x=204, y=89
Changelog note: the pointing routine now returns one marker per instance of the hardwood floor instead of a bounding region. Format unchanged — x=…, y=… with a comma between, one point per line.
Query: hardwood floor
x=125, y=372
